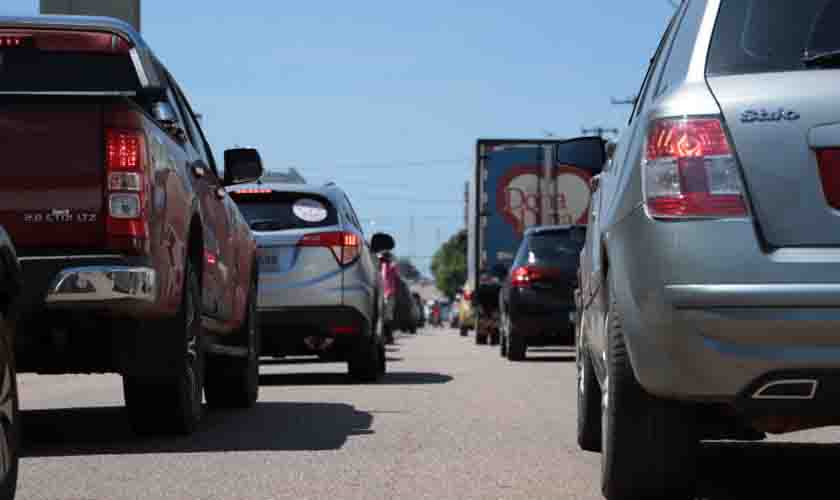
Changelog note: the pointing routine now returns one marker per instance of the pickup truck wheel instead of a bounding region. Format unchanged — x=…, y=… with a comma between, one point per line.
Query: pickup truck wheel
x=650, y=445
x=173, y=403
x=588, y=401
x=368, y=363
x=516, y=345
x=234, y=382
x=9, y=421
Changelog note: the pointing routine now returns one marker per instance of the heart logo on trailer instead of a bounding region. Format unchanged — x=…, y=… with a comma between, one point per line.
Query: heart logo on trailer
x=519, y=198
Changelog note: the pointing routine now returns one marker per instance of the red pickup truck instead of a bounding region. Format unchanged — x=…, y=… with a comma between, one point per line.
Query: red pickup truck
x=135, y=260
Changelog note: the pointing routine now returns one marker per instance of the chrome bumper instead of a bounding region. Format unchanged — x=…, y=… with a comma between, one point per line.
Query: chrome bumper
x=92, y=284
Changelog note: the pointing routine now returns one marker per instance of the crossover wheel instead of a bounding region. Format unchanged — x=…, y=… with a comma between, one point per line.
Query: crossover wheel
x=368, y=363
x=174, y=402
x=649, y=445
x=234, y=382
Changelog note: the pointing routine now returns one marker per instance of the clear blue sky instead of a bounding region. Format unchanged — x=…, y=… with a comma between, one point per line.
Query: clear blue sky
x=387, y=98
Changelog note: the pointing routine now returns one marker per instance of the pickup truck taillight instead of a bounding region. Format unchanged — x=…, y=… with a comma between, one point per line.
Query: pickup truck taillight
x=345, y=246
x=690, y=170
x=127, y=188
x=64, y=41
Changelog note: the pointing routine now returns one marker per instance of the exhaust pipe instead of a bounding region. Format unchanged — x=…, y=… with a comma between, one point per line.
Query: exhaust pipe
x=787, y=389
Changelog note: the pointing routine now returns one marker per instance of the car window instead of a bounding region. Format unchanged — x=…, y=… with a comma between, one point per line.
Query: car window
x=194, y=130
x=554, y=249
x=757, y=36
x=653, y=69
x=679, y=54
x=278, y=211
x=351, y=213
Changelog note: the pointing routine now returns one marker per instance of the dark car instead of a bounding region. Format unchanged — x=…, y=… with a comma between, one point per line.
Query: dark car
x=134, y=259
x=420, y=312
x=537, y=298
x=10, y=286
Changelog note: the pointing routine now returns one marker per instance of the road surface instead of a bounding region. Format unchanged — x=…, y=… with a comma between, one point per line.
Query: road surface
x=452, y=420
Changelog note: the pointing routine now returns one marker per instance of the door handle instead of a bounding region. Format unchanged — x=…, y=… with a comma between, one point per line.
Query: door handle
x=199, y=171
x=220, y=193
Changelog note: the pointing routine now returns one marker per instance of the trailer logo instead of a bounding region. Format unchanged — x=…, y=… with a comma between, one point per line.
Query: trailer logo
x=523, y=203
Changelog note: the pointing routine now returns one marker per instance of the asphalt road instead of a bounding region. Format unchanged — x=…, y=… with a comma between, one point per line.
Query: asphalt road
x=452, y=420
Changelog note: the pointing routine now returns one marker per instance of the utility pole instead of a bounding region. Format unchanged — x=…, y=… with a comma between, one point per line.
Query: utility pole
x=600, y=131
x=466, y=204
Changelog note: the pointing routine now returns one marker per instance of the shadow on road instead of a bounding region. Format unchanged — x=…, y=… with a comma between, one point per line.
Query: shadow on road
x=394, y=378
x=550, y=359
x=730, y=471
x=269, y=426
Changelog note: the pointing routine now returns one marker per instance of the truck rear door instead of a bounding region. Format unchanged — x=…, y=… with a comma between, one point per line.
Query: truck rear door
x=54, y=89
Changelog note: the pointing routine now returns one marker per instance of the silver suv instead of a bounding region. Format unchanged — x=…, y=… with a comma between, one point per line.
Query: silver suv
x=710, y=292
x=319, y=281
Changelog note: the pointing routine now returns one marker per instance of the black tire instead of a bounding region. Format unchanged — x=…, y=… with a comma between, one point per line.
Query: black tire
x=368, y=363
x=495, y=337
x=388, y=333
x=10, y=428
x=516, y=345
x=173, y=403
x=234, y=382
x=480, y=339
x=588, y=401
x=649, y=445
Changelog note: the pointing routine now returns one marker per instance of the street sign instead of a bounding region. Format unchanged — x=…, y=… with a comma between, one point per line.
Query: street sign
x=126, y=10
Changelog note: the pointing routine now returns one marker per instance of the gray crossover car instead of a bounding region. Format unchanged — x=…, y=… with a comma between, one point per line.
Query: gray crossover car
x=710, y=291
x=319, y=280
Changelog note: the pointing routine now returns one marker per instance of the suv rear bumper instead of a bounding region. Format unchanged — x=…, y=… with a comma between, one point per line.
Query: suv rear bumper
x=707, y=313
x=101, y=285
x=285, y=330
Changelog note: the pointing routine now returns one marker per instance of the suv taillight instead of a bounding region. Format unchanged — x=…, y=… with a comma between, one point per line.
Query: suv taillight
x=50, y=40
x=345, y=246
x=127, y=188
x=690, y=170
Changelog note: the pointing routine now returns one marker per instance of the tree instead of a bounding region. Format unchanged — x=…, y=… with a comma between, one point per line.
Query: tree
x=407, y=269
x=449, y=264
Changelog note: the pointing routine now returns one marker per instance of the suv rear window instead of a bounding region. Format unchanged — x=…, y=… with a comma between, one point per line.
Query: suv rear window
x=762, y=36
x=556, y=249
x=281, y=211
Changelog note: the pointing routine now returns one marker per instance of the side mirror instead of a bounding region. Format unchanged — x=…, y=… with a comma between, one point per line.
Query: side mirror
x=242, y=165
x=165, y=115
x=381, y=242
x=589, y=153
x=595, y=182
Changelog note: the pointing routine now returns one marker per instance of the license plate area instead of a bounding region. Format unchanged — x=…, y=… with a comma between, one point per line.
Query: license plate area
x=275, y=259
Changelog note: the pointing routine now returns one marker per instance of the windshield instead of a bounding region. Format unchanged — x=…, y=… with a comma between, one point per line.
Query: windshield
x=761, y=36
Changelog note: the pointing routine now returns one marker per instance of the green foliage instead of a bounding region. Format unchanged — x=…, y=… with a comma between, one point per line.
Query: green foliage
x=449, y=264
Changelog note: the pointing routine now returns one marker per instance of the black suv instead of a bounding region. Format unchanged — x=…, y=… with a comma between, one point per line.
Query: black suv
x=537, y=299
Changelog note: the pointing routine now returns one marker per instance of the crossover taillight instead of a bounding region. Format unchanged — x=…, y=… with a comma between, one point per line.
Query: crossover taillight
x=49, y=40
x=690, y=170
x=345, y=246
x=127, y=188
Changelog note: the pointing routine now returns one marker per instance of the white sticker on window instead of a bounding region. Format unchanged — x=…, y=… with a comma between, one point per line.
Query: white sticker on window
x=310, y=210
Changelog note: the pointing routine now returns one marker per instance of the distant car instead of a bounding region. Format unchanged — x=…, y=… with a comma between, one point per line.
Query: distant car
x=537, y=298
x=710, y=276
x=10, y=429
x=419, y=310
x=320, y=287
x=406, y=317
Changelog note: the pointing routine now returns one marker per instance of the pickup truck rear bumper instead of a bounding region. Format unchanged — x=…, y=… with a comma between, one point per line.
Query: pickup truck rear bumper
x=101, y=285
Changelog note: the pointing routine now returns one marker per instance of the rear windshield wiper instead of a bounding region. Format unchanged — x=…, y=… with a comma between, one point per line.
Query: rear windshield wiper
x=826, y=58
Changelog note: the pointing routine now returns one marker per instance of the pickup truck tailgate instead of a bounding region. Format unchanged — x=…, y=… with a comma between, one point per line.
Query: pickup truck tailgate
x=52, y=174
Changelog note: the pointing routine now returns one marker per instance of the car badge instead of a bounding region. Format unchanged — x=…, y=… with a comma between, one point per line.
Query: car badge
x=763, y=115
